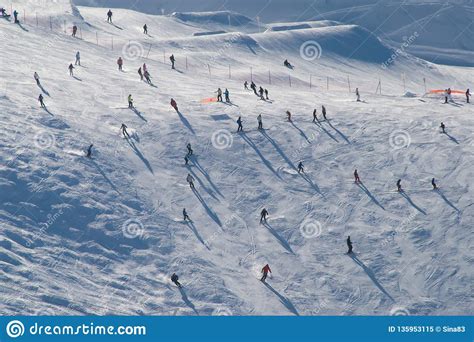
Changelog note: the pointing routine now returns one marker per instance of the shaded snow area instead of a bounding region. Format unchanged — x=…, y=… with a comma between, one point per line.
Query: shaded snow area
x=102, y=235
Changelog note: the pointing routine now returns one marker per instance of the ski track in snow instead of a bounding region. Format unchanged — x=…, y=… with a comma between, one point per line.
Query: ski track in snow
x=103, y=235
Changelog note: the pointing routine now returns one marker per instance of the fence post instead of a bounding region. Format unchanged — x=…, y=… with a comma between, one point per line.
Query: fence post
x=289, y=79
x=164, y=56
x=97, y=37
x=251, y=74
x=209, y=68
x=230, y=77
x=112, y=43
x=327, y=83
x=349, y=84
x=65, y=30
x=24, y=16
x=186, y=63
x=80, y=32
x=148, y=52
x=404, y=85
x=50, y=23
x=269, y=77
x=310, y=81
x=36, y=15
x=424, y=82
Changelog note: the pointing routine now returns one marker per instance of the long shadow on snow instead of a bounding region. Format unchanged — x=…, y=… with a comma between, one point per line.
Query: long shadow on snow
x=47, y=111
x=310, y=182
x=371, y=274
x=368, y=193
x=195, y=231
x=265, y=161
x=326, y=131
x=21, y=26
x=136, y=111
x=205, y=174
x=446, y=200
x=452, y=138
x=404, y=194
x=285, y=301
x=339, y=132
x=43, y=90
x=279, y=150
x=282, y=241
x=140, y=155
x=185, y=122
x=301, y=132
x=105, y=176
x=209, y=211
x=187, y=301
x=209, y=191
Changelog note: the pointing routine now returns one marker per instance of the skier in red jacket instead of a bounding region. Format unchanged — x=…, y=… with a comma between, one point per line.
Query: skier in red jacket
x=174, y=104
x=265, y=271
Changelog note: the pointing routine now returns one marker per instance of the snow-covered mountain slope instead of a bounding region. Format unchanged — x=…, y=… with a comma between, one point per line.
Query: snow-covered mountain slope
x=103, y=235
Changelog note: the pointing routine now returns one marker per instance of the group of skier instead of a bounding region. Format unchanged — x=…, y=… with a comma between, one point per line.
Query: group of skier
x=262, y=93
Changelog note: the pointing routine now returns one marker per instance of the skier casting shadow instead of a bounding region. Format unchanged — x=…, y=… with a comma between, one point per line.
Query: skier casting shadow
x=265, y=161
x=191, y=225
x=404, y=194
x=185, y=122
x=282, y=241
x=187, y=301
x=285, y=301
x=139, y=154
x=139, y=114
x=368, y=193
x=209, y=211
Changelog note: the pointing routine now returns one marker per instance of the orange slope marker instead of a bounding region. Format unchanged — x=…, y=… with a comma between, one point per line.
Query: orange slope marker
x=209, y=100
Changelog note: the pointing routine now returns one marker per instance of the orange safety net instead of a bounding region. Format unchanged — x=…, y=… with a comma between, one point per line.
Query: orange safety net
x=437, y=91
x=209, y=100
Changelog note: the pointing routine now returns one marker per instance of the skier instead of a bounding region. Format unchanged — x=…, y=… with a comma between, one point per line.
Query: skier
x=324, y=112
x=190, y=180
x=468, y=94
x=260, y=123
x=263, y=215
x=449, y=95
x=219, y=94
x=315, y=116
x=120, y=63
x=399, y=185
x=37, y=79
x=226, y=95
x=40, y=99
x=446, y=96
x=239, y=122
x=356, y=177
x=288, y=115
x=174, y=279
x=246, y=85
x=144, y=68
x=147, y=76
x=130, y=101
x=172, y=59
x=357, y=94
x=287, y=64
x=190, y=150
x=109, y=16
x=266, y=94
x=174, y=104
x=265, y=271
x=89, y=151
x=123, y=128
x=186, y=160
x=78, y=59
x=254, y=88
x=71, y=68
x=300, y=167
x=74, y=30
x=4, y=14
x=15, y=15
x=261, y=91
x=145, y=29
x=434, y=184
x=443, y=128
x=349, y=245
x=140, y=73
x=185, y=215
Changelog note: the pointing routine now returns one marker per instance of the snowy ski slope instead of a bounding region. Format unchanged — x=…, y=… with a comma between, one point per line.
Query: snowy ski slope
x=103, y=235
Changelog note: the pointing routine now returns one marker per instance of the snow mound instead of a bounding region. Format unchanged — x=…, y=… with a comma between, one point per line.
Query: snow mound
x=349, y=41
x=222, y=17
x=288, y=27
x=301, y=25
x=409, y=94
x=208, y=33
